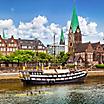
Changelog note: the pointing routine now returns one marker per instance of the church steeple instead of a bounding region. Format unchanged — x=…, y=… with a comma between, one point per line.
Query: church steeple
x=74, y=21
x=62, y=39
x=74, y=36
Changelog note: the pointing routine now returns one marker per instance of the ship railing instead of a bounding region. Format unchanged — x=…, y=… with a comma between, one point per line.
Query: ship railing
x=24, y=75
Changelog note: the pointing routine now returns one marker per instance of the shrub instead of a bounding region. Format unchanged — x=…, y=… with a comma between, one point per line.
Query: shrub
x=70, y=66
x=99, y=66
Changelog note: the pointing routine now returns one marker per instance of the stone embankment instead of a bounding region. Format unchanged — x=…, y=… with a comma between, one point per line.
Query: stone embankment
x=9, y=76
x=95, y=73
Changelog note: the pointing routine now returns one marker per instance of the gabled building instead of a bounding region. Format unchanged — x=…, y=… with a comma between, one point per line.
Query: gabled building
x=35, y=45
x=98, y=52
x=85, y=50
x=10, y=45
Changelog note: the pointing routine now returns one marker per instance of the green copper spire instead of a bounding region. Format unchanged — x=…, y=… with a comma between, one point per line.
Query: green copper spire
x=62, y=39
x=4, y=35
x=74, y=21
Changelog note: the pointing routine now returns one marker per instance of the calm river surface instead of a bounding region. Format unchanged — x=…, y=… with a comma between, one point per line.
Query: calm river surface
x=90, y=92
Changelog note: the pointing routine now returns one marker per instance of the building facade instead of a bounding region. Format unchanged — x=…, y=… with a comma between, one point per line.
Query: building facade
x=10, y=45
x=90, y=52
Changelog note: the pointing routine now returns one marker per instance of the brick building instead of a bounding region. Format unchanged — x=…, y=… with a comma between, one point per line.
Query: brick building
x=90, y=52
x=10, y=45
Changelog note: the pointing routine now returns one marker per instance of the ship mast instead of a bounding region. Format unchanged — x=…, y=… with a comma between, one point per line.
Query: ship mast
x=54, y=51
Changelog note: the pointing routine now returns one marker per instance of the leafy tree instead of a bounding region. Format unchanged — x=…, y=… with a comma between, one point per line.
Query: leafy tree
x=2, y=57
x=62, y=58
x=22, y=56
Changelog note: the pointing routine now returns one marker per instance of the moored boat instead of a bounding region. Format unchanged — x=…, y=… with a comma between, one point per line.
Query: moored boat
x=52, y=76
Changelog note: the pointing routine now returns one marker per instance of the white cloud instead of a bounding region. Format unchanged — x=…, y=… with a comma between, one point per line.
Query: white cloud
x=12, y=31
x=40, y=28
x=39, y=21
x=92, y=28
x=101, y=34
x=6, y=23
x=25, y=26
x=87, y=27
x=54, y=29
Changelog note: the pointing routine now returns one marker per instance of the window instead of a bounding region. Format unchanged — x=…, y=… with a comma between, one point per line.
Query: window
x=24, y=47
x=39, y=47
x=1, y=49
x=15, y=45
x=70, y=44
x=12, y=41
x=29, y=47
x=8, y=49
x=4, y=49
x=9, y=44
x=14, y=49
x=2, y=44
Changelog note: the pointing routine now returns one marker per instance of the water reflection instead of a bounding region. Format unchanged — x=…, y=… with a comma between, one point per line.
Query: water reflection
x=76, y=98
x=90, y=92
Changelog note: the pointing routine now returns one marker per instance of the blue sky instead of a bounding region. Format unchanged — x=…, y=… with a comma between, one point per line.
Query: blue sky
x=56, y=11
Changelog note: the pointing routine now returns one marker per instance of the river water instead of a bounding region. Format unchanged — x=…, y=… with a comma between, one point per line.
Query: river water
x=90, y=92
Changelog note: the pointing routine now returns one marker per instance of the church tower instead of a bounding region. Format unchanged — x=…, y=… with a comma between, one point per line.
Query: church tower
x=62, y=39
x=74, y=36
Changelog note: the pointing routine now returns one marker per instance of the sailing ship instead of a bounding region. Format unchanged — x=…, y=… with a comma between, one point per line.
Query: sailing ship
x=52, y=76
x=55, y=76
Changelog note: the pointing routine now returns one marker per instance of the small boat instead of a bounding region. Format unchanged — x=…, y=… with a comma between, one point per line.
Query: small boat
x=51, y=76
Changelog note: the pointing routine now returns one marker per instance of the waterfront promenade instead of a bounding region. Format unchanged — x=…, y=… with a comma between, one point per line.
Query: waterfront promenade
x=4, y=76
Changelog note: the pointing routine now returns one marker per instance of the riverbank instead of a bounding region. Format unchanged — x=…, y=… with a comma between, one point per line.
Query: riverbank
x=6, y=76
x=95, y=73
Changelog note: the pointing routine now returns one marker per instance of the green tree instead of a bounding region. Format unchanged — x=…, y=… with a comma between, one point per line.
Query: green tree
x=62, y=58
x=22, y=56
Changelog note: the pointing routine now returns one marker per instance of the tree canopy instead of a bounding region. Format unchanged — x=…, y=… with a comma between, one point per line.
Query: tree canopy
x=25, y=56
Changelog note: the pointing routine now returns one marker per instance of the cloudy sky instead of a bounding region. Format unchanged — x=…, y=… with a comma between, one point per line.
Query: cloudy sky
x=43, y=18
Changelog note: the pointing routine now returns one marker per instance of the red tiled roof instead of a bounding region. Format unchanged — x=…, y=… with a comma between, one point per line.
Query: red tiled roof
x=81, y=47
